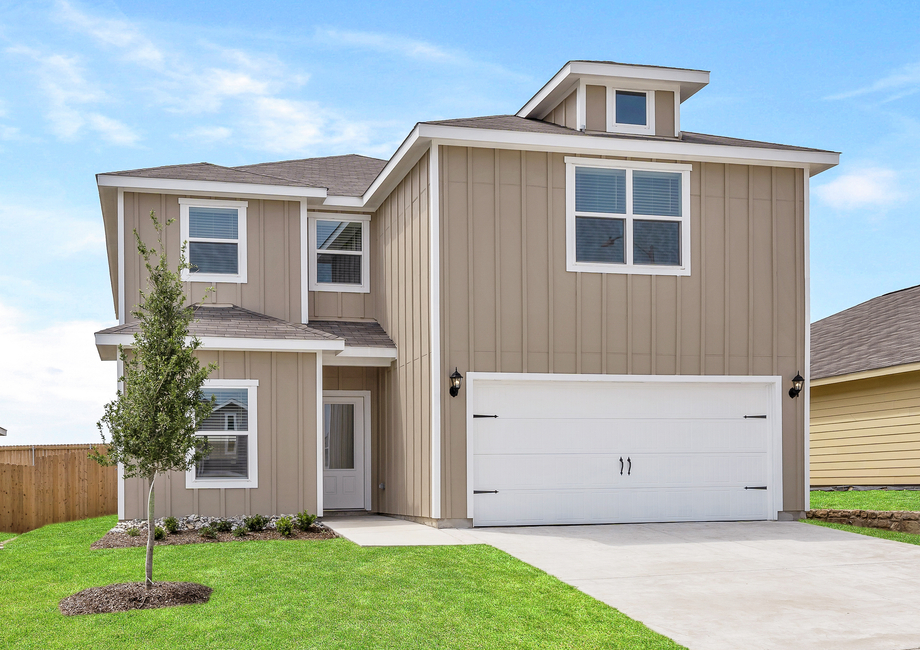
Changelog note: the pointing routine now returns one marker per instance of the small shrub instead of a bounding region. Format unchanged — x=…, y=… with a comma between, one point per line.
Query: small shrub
x=222, y=526
x=239, y=531
x=171, y=525
x=159, y=533
x=304, y=520
x=255, y=523
x=133, y=532
x=207, y=532
x=285, y=526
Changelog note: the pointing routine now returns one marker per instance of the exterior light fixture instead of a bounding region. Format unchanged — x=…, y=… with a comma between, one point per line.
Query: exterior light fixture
x=455, y=380
x=798, y=383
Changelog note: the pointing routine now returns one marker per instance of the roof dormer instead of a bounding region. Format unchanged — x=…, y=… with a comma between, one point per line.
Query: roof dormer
x=607, y=97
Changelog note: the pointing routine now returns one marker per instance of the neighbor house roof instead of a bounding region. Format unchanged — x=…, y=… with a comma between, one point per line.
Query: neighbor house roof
x=230, y=321
x=879, y=333
x=341, y=175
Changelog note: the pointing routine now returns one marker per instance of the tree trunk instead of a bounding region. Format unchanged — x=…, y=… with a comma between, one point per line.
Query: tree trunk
x=150, y=533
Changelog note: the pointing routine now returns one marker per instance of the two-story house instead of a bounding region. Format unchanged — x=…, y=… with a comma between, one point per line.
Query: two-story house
x=578, y=313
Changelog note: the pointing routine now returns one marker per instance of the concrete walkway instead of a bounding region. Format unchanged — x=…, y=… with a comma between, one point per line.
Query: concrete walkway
x=377, y=530
x=728, y=586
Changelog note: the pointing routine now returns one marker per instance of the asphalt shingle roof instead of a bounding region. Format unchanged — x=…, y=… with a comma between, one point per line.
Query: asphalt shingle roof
x=347, y=175
x=205, y=172
x=527, y=125
x=236, y=322
x=879, y=333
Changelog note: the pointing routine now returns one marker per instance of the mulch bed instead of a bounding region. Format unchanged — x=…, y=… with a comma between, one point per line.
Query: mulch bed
x=123, y=540
x=128, y=596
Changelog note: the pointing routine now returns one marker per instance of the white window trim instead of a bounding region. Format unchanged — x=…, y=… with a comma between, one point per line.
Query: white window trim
x=616, y=127
x=252, y=385
x=365, y=286
x=628, y=268
x=241, y=206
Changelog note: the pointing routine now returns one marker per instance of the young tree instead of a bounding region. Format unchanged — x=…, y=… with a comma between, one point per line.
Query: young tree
x=153, y=420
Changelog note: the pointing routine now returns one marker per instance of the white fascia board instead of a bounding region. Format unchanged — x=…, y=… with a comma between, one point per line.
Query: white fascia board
x=228, y=343
x=371, y=199
x=371, y=361
x=690, y=82
x=209, y=188
x=343, y=202
x=355, y=351
x=817, y=161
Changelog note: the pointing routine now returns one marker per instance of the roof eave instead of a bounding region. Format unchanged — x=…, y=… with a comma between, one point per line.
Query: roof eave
x=871, y=373
x=209, y=188
x=107, y=344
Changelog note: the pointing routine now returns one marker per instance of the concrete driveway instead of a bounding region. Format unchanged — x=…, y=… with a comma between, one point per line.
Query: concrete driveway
x=736, y=586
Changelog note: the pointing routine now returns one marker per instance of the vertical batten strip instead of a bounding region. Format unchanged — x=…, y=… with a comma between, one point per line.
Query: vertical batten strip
x=578, y=322
x=434, y=335
x=775, y=346
x=806, y=263
x=524, y=318
x=702, y=269
x=304, y=279
x=801, y=414
x=551, y=252
x=318, y=363
x=470, y=265
x=653, y=324
x=604, y=323
x=750, y=337
x=301, y=431
x=497, y=250
x=274, y=433
x=629, y=325
x=726, y=247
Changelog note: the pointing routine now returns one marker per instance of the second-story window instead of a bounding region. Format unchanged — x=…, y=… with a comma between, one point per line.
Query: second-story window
x=339, y=253
x=215, y=232
x=627, y=217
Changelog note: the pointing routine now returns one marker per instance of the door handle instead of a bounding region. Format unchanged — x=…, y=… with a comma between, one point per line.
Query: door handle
x=629, y=471
x=621, y=466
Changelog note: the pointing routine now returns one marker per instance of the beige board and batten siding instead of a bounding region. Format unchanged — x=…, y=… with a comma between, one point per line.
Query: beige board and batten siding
x=273, y=250
x=596, y=108
x=866, y=432
x=566, y=113
x=509, y=305
x=286, y=444
x=345, y=305
x=664, y=113
x=401, y=267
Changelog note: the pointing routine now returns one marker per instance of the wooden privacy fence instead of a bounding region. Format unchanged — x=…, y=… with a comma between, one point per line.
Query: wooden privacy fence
x=60, y=484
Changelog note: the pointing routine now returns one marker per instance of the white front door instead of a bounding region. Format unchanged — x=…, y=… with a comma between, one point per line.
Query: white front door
x=571, y=450
x=344, y=454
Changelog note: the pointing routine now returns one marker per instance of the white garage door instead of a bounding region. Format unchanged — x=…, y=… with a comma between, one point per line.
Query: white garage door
x=545, y=450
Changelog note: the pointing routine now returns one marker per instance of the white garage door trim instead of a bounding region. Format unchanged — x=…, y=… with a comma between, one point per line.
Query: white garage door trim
x=476, y=381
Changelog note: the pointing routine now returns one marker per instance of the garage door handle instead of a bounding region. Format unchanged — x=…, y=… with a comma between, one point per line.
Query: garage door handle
x=477, y=415
x=755, y=487
x=755, y=417
x=485, y=491
x=621, y=466
x=629, y=470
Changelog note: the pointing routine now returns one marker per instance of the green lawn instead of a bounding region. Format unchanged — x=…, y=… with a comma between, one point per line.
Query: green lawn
x=907, y=538
x=302, y=594
x=5, y=536
x=867, y=500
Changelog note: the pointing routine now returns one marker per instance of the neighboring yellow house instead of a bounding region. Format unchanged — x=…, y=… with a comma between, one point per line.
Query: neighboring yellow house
x=865, y=393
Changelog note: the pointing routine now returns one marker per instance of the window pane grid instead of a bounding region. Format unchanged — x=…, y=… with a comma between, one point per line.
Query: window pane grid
x=652, y=236
x=213, y=240
x=338, y=249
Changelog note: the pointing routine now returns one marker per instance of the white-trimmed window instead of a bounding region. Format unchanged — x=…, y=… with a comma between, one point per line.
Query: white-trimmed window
x=216, y=235
x=232, y=434
x=627, y=217
x=630, y=110
x=339, y=258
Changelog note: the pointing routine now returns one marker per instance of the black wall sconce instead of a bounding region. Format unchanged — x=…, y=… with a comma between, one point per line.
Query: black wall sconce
x=455, y=380
x=798, y=383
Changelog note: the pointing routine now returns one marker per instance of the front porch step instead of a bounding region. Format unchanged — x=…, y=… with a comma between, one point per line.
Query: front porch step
x=357, y=512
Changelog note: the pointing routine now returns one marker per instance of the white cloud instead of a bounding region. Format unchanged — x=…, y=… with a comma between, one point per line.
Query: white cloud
x=111, y=130
x=117, y=33
x=871, y=188
x=59, y=232
x=900, y=83
x=52, y=384
x=206, y=134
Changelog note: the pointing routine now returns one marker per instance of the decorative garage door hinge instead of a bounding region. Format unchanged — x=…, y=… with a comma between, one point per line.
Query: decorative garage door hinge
x=485, y=491
x=477, y=415
x=756, y=487
x=755, y=417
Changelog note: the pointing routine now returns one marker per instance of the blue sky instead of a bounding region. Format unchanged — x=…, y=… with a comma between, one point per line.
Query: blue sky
x=88, y=87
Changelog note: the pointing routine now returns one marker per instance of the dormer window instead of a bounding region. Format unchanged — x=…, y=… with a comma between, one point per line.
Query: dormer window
x=339, y=253
x=631, y=108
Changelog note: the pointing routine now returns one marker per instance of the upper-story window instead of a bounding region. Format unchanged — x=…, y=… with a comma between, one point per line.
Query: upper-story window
x=627, y=217
x=232, y=435
x=630, y=111
x=216, y=235
x=339, y=258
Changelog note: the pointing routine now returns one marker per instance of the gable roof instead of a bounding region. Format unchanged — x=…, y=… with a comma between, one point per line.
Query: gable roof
x=204, y=171
x=879, y=333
